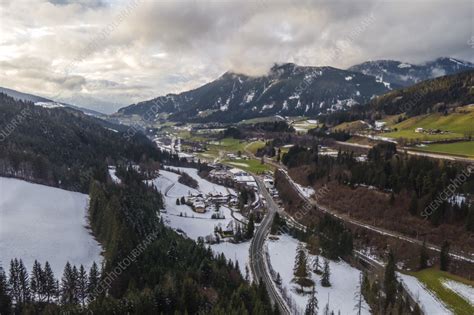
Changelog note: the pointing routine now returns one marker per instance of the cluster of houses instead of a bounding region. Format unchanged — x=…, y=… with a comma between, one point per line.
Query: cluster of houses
x=201, y=203
x=222, y=174
x=430, y=131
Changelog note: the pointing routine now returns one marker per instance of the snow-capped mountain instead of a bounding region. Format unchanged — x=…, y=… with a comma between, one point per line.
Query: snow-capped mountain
x=402, y=74
x=287, y=89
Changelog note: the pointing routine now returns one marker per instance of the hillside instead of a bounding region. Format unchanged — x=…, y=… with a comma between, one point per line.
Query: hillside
x=402, y=74
x=288, y=89
x=458, y=124
x=44, y=102
x=430, y=96
x=61, y=147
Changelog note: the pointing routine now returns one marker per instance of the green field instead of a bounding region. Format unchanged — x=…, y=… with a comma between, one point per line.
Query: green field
x=432, y=279
x=463, y=148
x=254, y=146
x=219, y=148
x=351, y=126
x=252, y=165
x=459, y=125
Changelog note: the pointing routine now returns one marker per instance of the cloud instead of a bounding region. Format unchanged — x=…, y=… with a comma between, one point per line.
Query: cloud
x=137, y=49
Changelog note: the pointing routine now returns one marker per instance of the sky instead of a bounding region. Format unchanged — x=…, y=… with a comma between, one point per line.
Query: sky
x=105, y=54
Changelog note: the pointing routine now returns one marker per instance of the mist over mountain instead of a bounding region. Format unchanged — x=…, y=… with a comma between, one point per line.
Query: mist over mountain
x=405, y=74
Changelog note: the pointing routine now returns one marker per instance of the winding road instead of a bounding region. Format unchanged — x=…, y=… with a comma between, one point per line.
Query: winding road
x=257, y=256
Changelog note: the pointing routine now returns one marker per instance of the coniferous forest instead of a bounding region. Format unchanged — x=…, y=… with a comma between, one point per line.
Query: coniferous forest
x=169, y=274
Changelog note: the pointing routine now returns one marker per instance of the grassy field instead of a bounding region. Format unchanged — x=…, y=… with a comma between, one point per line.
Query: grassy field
x=458, y=124
x=463, y=148
x=351, y=126
x=252, y=165
x=432, y=279
x=230, y=145
x=254, y=146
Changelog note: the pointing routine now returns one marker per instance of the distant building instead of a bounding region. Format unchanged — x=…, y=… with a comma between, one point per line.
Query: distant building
x=418, y=130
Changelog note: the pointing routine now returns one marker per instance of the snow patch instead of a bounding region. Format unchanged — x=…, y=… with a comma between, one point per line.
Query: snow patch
x=429, y=303
x=461, y=289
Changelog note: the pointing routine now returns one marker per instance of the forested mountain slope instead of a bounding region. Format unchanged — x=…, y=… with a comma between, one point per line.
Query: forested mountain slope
x=287, y=89
x=61, y=147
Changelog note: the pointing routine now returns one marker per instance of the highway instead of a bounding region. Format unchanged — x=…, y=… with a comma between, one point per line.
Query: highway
x=258, y=265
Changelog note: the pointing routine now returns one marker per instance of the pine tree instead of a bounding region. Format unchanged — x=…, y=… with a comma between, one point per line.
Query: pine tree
x=69, y=285
x=14, y=282
x=36, y=282
x=49, y=289
x=423, y=256
x=250, y=228
x=23, y=282
x=177, y=201
x=390, y=280
x=82, y=285
x=93, y=283
x=301, y=266
x=312, y=306
x=358, y=296
x=325, y=282
x=316, y=266
x=444, y=257
x=5, y=299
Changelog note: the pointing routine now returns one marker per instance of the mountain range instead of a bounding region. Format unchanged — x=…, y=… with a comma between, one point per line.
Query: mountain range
x=287, y=90
x=402, y=74
x=291, y=90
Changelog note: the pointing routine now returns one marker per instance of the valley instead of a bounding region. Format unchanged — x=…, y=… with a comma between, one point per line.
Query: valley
x=236, y=157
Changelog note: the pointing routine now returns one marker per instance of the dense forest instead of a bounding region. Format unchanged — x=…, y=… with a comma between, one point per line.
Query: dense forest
x=424, y=179
x=169, y=274
x=62, y=147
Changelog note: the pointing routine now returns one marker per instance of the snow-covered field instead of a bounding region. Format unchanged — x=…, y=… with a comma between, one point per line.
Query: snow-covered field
x=429, y=303
x=463, y=290
x=344, y=278
x=194, y=225
x=44, y=223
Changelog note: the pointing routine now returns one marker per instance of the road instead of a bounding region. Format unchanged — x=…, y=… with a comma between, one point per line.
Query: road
x=257, y=256
x=346, y=218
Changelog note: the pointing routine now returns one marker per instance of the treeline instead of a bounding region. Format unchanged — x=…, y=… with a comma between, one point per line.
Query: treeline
x=63, y=147
x=424, y=179
x=261, y=128
x=40, y=291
